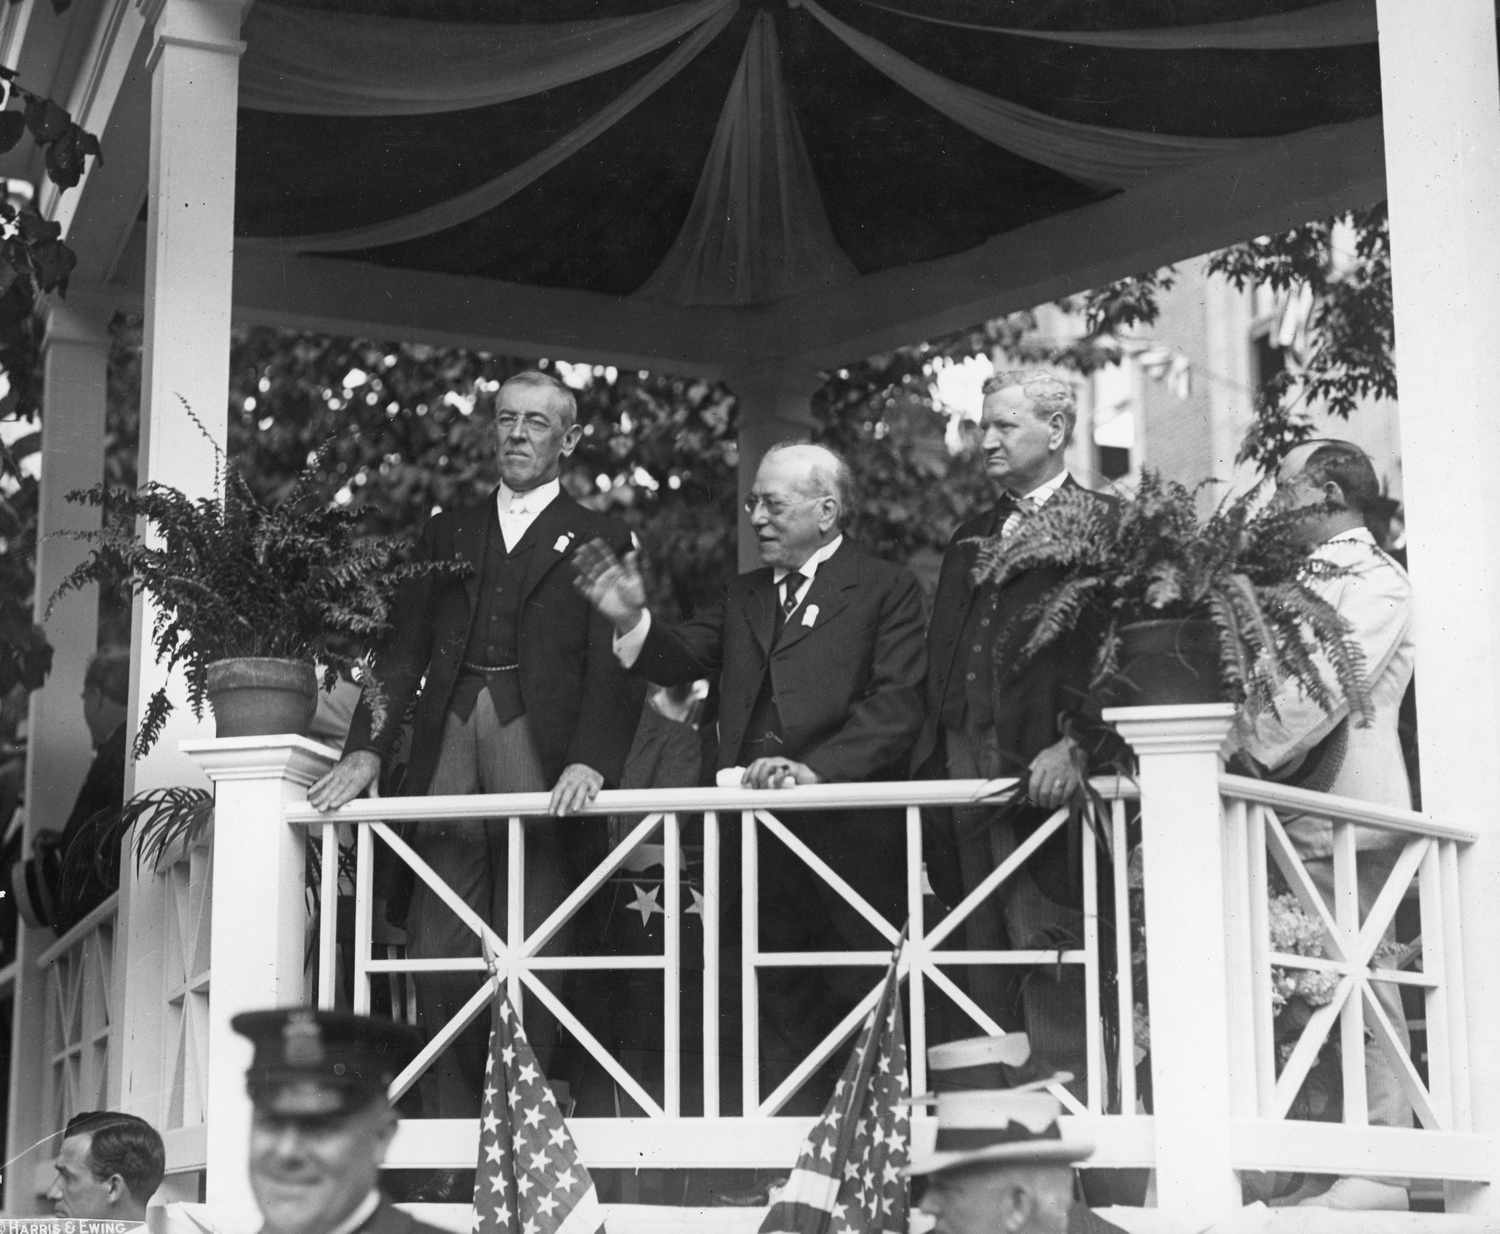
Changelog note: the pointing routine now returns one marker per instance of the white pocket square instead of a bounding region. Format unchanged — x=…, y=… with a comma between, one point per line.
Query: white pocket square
x=809, y=615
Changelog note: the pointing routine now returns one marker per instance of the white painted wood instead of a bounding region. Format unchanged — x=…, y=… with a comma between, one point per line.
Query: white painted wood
x=749, y=953
x=1351, y=1019
x=711, y=968
x=1240, y=892
x=1260, y=961
x=1273, y=1144
x=916, y=1029
x=1455, y=826
x=260, y=917
x=1192, y=1068
x=1124, y=948
x=1442, y=142
x=672, y=967
x=58, y=749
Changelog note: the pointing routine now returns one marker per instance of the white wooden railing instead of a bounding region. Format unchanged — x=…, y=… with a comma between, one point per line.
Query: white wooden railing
x=81, y=1016
x=928, y=955
x=1218, y=1099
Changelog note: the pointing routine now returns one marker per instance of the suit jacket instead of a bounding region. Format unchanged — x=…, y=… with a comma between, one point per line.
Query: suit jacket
x=582, y=707
x=848, y=686
x=1031, y=699
x=1374, y=596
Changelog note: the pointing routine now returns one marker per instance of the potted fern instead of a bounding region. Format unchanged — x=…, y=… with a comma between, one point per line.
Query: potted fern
x=1186, y=609
x=252, y=599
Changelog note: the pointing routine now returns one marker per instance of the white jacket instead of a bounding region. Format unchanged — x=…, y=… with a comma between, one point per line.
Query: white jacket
x=1375, y=597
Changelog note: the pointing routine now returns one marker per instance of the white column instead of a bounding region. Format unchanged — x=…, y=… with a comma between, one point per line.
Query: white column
x=194, y=64
x=259, y=925
x=775, y=403
x=1187, y=957
x=58, y=752
x=1442, y=151
x=74, y=379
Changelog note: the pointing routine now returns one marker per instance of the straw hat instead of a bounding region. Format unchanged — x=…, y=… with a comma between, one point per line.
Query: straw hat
x=999, y=1125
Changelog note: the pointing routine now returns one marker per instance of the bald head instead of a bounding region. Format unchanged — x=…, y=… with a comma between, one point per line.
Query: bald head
x=799, y=502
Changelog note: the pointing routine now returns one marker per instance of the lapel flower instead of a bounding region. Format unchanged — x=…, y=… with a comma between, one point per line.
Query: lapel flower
x=560, y=545
x=809, y=615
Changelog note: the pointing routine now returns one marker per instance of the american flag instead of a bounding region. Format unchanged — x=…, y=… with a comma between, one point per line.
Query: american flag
x=848, y=1176
x=529, y=1179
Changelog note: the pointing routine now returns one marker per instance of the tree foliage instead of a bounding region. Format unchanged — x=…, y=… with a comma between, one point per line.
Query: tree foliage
x=1345, y=265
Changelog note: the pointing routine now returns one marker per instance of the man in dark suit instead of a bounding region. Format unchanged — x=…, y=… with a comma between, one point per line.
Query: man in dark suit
x=819, y=661
x=522, y=693
x=990, y=715
x=322, y=1122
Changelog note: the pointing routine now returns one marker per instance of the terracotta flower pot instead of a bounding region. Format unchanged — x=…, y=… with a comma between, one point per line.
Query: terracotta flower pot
x=258, y=696
x=1166, y=662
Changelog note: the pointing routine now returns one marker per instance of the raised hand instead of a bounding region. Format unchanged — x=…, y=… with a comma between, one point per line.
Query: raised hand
x=612, y=586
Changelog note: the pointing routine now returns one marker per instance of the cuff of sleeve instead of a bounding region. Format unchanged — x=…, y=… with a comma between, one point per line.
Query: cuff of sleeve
x=628, y=646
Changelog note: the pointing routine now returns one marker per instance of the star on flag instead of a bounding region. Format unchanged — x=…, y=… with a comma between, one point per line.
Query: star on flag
x=849, y=1169
x=528, y=1175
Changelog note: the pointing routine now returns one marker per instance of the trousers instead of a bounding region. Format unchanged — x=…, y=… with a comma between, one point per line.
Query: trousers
x=1031, y=910
x=481, y=754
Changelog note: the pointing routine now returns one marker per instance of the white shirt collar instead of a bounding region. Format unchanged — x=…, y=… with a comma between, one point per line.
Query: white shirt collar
x=809, y=568
x=1044, y=491
x=532, y=502
x=362, y=1213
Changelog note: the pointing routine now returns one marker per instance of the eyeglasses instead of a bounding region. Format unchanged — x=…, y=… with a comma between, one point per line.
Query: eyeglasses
x=774, y=506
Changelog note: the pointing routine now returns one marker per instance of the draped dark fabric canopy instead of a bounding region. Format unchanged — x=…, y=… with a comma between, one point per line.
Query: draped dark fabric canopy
x=719, y=153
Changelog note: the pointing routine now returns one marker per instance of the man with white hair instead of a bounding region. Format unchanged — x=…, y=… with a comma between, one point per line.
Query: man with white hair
x=819, y=662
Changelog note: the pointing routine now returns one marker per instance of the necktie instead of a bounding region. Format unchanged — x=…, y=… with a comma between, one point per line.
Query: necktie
x=1008, y=513
x=790, y=585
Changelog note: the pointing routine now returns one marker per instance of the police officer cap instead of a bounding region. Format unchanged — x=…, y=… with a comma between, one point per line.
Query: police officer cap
x=334, y=1060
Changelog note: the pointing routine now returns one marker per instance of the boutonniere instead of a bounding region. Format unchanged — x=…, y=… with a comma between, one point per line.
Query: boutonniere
x=809, y=615
x=560, y=545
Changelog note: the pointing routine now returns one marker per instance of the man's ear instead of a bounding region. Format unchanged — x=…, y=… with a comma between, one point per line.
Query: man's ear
x=1057, y=431
x=572, y=435
x=1333, y=494
x=115, y=1189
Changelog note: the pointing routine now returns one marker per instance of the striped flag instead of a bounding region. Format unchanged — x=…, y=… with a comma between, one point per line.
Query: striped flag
x=529, y=1179
x=848, y=1176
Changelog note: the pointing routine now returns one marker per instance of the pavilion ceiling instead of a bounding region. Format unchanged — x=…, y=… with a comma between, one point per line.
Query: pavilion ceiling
x=714, y=153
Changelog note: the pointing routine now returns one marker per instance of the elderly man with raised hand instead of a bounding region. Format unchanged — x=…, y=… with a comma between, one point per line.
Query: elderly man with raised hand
x=991, y=715
x=321, y=1121
x=109, y=1167
x=819, y=662
x=1295, y=740
x=517, y=689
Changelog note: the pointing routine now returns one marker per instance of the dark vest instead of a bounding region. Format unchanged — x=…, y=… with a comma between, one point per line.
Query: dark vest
x=494, y=631
x=969, y=700
x=969, y=696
